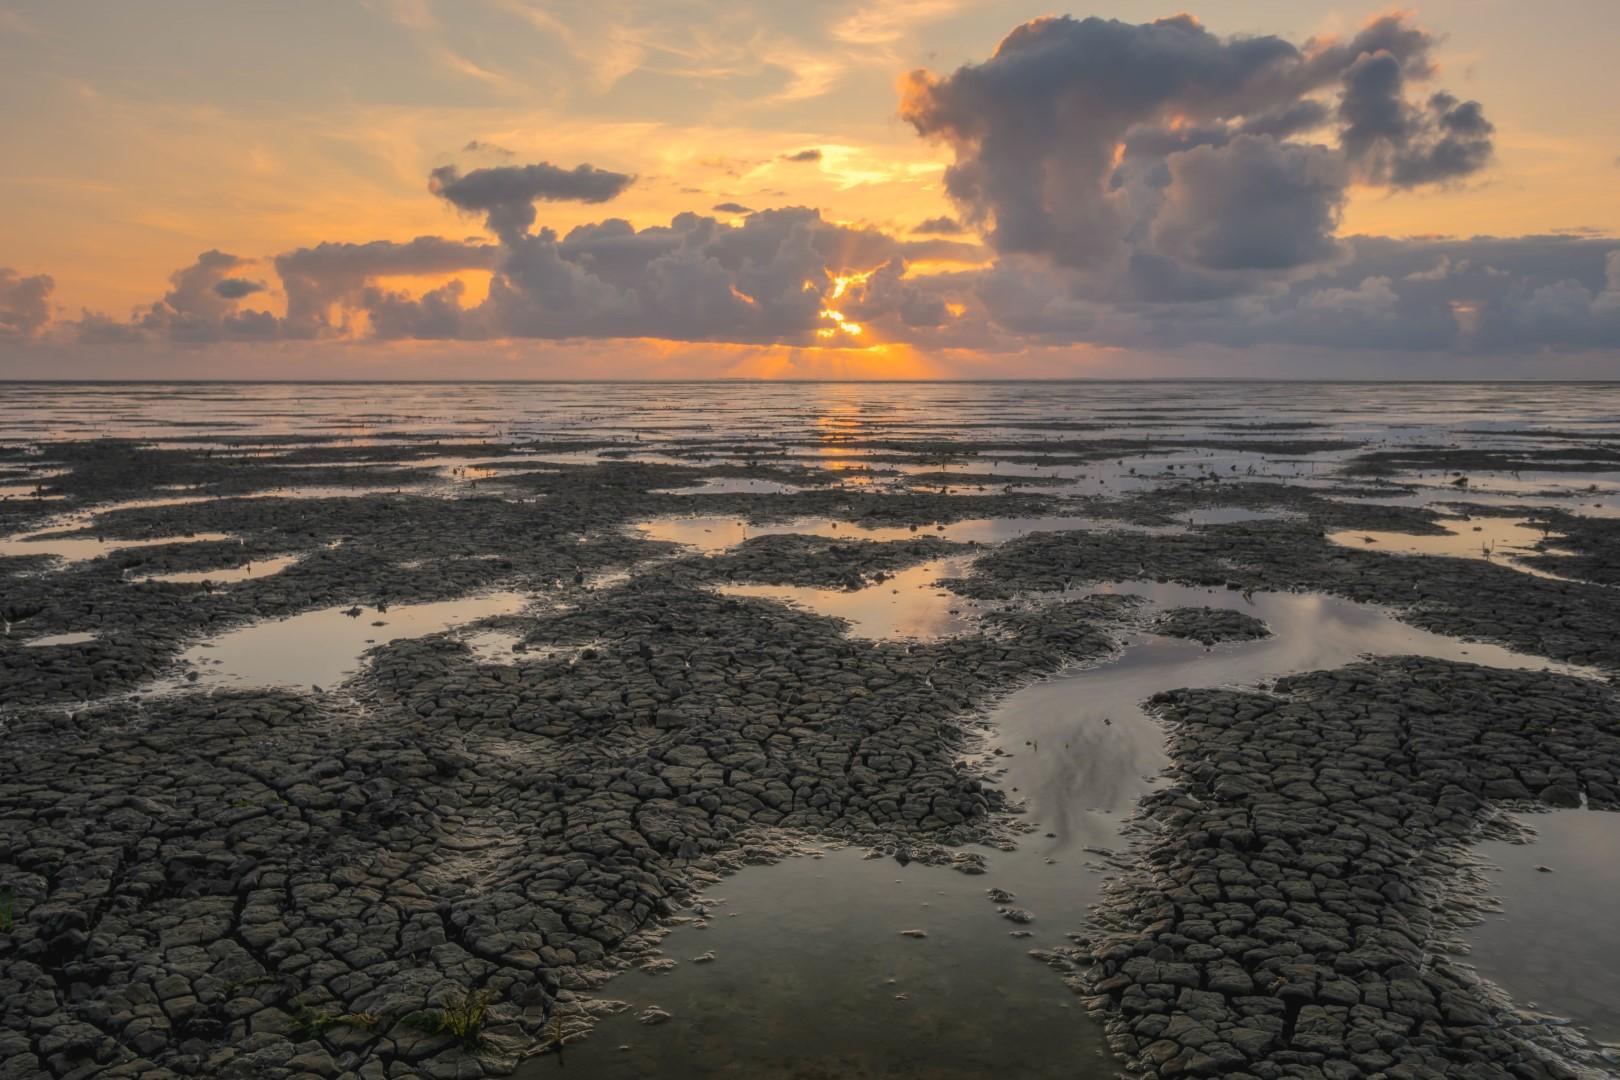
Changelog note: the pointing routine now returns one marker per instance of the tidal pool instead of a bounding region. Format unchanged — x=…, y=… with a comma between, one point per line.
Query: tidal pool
x=714, y=534
x=81, y=638
x=1555, y=945
x=908, y=604
x=321, y=648
x=226, y=575
x=1494, y=539
x=78, y=548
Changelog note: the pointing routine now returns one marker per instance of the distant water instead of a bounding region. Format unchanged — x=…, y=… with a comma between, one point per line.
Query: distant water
x=1407, y=412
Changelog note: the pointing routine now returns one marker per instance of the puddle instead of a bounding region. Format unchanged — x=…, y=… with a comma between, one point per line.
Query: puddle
x=812, y=979
x=1555, y=944
x=734, y=485
x=780, y=1000
x=27, y=492
x=60, y=639
x=74, y=548
x=224, y=576
x=908, y=605
x=714, y=534
x=1494, y=539
x=493, y=646
x=321, y=648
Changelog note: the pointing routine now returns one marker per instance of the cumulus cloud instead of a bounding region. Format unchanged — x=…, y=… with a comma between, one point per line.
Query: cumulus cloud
x=202, y=304
x=506, y=194
x=771, y=278
x=1102, y=145
x=939, y=226
x=732, y=208
x=811, y=154
x=1252, y=204
x=25, y=303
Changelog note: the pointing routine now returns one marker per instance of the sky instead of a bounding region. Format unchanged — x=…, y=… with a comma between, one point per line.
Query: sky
x=831, y=189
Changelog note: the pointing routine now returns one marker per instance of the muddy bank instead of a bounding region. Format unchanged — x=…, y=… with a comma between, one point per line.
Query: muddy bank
x=1283, y=920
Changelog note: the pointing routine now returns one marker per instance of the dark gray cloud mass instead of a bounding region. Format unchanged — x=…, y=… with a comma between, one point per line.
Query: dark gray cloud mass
x=732, y=208
x=811, y=154
x=1103, y=145
x=768, y=279
x=939, y=226
x=506, y=194
x=25, y=303
x=1479, y=295
x=236, y=288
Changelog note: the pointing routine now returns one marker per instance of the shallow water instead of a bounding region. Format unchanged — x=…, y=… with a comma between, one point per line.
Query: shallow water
x=80, y=548
x=226, y=575
x=910, y=604
x=714, y=534
x=1493, y=539
x=321, y=648
x=81, y=638
x=1553, y=943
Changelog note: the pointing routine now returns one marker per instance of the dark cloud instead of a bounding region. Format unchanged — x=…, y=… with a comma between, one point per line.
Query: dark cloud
x=25, y=303
x=1253, y=204
x=1098, y=144
x=811, y=154
x=767, y=279
x=236, y=288
x=1395, y=142
x=732, y=208
x=939, y=226
x=1467, y=297
x=506, y=194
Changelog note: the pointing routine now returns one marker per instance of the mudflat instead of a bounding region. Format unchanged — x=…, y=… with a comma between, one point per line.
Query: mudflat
x=700, y=730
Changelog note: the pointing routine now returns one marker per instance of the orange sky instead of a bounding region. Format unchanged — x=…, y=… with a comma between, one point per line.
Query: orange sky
x=140, y=135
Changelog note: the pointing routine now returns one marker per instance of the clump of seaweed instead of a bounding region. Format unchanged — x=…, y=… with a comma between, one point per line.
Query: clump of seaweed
x=464, y=1015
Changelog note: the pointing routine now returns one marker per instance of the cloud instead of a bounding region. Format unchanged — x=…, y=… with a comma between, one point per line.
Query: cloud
x=202, y=305
x=1481, y=296
x=1102, y=145
x=236, y=288
x=25, y=303
x=939, y=226
x=331, y=276
x=1253, y=204
x=771, y=278
x=506, y=194
x=811, y=154
x=732, y=208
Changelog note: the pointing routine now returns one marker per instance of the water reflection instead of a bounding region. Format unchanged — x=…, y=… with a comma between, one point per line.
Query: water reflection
x=908, y=604
x=1493, y=539
x=1555, y=940
x=323, y=647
